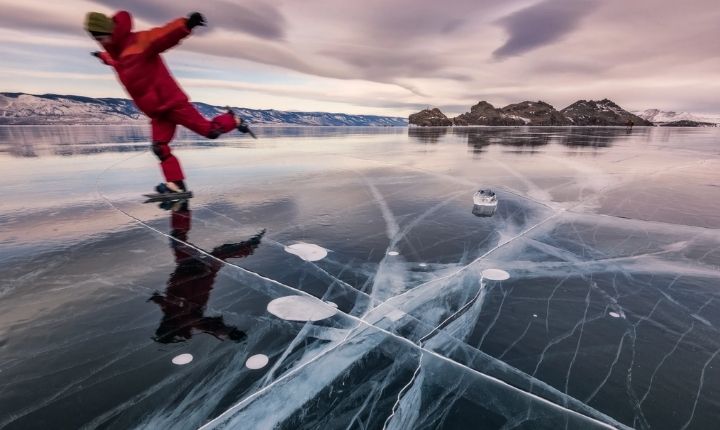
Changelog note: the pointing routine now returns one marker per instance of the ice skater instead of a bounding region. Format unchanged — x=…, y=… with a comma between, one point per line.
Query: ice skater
x=135, y=56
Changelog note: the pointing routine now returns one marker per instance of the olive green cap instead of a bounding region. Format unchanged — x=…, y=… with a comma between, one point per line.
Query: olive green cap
x=96, y=22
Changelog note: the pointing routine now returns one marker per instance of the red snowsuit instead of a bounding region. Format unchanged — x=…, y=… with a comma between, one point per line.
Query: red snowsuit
x=135, y=56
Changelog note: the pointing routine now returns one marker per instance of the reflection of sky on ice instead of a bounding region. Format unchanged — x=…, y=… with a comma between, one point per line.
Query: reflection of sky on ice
x=607, y=316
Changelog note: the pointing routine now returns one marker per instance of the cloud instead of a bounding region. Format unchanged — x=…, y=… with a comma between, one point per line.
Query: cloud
x=228, y=45
x=384, y=65
x=390, y=24
x=396, y=55
x=387, y=41
x=353, y=92
x=541, y=24
x=34, y=20
x=259, y=19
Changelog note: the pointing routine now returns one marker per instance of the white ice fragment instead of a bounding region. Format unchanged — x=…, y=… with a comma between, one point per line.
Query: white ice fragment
x=333, y=304
x=182, y=359
x=534, y=315
x=614, y=314
x=300, y=308
x=422, y=264
x=257, y=361
x=495, y=274
x=307, y=251
x=393, y=253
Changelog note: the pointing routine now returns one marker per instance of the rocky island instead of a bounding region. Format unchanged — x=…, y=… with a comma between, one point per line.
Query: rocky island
x=429, y=118
x=687, y=123
x=582, y=113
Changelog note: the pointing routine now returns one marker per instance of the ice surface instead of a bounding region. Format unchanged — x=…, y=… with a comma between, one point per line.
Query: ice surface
x=588, y=300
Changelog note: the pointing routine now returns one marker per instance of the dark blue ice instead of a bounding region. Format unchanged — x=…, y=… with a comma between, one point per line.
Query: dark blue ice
x=610, y=316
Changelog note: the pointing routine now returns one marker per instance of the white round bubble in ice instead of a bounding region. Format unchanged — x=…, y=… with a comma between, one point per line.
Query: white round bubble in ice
x=393, y=253
x=182, y=359
x=422, y=264
x=300, y=308
x=614, y=314
x=534, y=315
x=307, y=251
x=495, y=274
x=257, y=361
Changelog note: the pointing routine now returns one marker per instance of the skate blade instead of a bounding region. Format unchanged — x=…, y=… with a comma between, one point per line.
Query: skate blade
x=164, y=197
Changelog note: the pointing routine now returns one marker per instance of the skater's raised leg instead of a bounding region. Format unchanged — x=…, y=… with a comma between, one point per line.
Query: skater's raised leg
x=187, y=116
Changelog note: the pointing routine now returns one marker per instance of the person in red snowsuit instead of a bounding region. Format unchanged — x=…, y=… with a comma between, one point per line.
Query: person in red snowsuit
x=135, y=56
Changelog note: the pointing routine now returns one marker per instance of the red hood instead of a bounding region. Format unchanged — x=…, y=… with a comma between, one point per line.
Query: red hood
x=121, y=33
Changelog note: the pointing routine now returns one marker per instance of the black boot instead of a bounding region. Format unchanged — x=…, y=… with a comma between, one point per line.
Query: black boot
x=163, y=188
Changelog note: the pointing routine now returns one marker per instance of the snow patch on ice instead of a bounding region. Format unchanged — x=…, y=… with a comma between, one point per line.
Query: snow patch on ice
x=182, y=359
x=495, y=274
x=307, y=251
x=300, y=308
x=257, y=361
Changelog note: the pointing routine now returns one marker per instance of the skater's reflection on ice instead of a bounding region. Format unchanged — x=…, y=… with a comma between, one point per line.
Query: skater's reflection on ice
x=189, y=286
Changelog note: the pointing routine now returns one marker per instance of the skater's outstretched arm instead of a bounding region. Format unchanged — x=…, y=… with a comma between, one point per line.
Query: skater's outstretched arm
x=104, y=57
x=161, y=39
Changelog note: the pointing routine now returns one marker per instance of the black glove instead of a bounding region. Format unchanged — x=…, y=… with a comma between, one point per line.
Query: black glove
x=243, y=128
x=195, y=19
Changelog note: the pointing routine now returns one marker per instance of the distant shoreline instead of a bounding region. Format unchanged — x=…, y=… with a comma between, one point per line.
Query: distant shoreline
x=57, y=109
x=410, y=126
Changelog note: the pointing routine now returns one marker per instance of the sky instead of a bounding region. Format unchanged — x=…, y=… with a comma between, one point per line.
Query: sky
x=389, y=57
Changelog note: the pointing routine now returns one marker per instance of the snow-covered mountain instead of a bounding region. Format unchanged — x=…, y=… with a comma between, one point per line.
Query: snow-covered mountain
x=21, y=108
x=659, y=117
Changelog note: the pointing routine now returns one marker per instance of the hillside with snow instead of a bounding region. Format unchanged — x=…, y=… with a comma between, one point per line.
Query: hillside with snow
x=659, y=117
x=21, y=108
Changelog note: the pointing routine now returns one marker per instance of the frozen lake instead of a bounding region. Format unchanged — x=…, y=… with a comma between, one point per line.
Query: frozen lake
x=338, y=278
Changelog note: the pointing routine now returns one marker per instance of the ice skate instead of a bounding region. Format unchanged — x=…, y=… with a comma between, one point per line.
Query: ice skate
x=168, y=191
